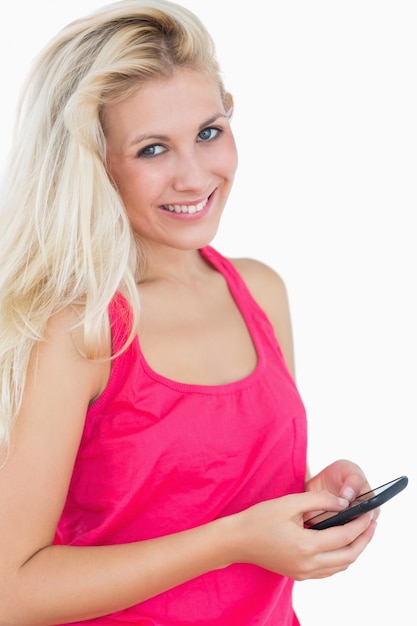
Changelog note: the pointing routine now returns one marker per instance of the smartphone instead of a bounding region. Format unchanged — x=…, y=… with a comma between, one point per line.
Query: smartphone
x=363, y=503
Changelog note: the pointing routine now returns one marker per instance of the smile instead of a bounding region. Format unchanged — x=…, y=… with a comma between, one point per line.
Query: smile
x=186, y=208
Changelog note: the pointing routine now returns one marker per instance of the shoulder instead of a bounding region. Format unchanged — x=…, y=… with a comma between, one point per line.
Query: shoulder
x=269, y=290
x=60, y=383
x=264, y=283
x=63, y=349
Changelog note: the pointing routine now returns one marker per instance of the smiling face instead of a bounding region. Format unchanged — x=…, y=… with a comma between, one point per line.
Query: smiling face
x=172, y=156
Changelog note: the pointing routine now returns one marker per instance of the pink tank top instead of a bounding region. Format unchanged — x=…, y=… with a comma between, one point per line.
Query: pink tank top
x=158, y=456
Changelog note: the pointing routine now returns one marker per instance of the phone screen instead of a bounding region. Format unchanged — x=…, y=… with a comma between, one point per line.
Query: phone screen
x=363, y=503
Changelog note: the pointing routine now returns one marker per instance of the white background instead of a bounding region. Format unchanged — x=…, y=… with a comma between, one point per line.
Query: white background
x=326, y=126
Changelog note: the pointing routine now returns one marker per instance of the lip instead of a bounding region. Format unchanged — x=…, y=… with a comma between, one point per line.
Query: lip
x=191, y=216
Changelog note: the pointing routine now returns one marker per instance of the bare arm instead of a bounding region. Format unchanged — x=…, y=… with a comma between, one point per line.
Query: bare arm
x=45, y=584
x=42, y=584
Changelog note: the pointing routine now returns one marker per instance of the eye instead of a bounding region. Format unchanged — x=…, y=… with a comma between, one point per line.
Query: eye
x=208, y=134
x=151, y=151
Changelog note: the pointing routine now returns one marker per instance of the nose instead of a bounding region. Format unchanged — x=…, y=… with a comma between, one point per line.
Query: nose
x=190, y=172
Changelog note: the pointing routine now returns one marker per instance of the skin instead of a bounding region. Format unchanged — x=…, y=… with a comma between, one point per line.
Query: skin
x=168, y=144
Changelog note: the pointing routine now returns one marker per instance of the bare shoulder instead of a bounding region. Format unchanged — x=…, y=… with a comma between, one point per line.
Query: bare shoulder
x=45, y=438
x=63, y=350
x=261, y=279
x=269, y=290
x=61, y=382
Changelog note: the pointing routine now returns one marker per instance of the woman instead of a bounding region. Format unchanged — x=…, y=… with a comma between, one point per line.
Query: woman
x=154, y=442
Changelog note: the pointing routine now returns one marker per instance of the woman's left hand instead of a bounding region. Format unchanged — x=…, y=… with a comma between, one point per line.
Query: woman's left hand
x=342, y=478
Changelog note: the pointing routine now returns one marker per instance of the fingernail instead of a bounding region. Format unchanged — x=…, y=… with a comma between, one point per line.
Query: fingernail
x=348, y=493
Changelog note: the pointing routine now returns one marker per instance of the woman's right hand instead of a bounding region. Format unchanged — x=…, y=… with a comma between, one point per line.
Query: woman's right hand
x=271, y=535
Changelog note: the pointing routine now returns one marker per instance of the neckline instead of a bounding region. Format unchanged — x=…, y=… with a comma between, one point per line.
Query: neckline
x=242, y=299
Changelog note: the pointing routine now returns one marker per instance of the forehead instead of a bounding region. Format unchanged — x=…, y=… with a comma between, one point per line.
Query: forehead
x=188, y=95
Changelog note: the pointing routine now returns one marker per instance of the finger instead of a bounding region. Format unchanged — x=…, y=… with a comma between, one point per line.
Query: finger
x=354, y=485
x=319, y=501
x=330, y=562
x=344, y=535
x=348, y=555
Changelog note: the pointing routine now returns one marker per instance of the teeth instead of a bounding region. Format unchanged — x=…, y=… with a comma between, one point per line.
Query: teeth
x=185, y=208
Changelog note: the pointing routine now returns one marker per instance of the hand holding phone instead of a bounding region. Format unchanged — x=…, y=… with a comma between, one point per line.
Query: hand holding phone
x=362, y=504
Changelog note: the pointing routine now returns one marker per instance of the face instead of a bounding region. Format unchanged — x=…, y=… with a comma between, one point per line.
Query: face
x=172, y=156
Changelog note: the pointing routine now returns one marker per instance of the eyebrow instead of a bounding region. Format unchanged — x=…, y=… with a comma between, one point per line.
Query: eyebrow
x=156, y=137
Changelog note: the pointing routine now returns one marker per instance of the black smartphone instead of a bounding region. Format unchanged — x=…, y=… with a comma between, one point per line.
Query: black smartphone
x=363, y=503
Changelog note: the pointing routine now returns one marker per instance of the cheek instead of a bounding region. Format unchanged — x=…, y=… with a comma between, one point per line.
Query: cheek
x=230, y=158
x=138, y=187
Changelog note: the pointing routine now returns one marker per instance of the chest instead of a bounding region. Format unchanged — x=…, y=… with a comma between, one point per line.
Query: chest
x=198, y=338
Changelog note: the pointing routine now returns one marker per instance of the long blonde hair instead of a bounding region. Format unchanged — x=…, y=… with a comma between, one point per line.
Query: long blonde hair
x=65, y=238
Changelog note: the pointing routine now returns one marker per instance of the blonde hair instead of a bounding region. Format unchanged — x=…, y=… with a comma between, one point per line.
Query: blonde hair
x=65, y=238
